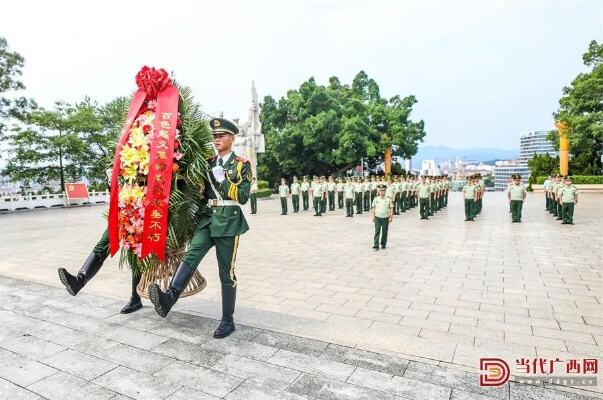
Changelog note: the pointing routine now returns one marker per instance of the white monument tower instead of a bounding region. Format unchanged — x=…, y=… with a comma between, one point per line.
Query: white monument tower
x=250, y=140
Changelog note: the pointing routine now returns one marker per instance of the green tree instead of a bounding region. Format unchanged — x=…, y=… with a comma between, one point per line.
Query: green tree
x=320, y=130
x=11, y=64
x=542, y=165
x=67, y=142
x=581, y=108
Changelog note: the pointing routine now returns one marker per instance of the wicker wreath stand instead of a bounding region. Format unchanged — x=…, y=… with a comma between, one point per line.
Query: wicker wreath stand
x=162, y=275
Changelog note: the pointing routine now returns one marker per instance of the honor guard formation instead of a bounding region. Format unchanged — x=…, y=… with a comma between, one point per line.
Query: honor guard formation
x=560, y=197
x=378, y=196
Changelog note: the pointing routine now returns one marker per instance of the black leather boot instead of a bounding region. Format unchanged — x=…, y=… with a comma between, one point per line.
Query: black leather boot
x=135, y=303
x=163, y=302
x=227, y=326
x=74, y=284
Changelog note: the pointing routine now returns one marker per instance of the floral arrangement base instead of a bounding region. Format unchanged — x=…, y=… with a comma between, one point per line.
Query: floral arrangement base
x=162, y=275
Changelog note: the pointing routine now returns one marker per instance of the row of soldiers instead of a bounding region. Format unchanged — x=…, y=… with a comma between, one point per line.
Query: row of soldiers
x=356, y=194
x=560, y=197
x=473, y=193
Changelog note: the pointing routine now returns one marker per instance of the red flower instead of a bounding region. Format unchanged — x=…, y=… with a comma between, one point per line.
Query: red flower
x=152, y=80
x=146, y=128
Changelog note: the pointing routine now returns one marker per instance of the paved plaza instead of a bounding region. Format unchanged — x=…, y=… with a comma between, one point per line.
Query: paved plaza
x=320, y=314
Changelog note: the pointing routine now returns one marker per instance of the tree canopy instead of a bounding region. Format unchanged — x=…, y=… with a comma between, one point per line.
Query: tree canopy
x=322, y=130
x=581, y=108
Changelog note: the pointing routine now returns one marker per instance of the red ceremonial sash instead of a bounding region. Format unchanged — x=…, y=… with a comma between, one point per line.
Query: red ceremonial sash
x=159, y=180
x=135, y=105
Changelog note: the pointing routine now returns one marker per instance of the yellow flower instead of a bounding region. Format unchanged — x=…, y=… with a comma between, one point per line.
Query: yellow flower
x=130, y=172
x=129, y=155
x=143, y=155
x=137, y=137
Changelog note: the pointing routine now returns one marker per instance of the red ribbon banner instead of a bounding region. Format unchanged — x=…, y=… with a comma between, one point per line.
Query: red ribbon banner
x=159, y=180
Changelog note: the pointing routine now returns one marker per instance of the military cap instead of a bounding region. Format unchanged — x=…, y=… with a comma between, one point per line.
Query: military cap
x=221, y=125
x=381, y=187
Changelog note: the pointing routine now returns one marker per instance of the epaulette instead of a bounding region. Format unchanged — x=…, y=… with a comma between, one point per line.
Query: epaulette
x=241, y=159
x=211, y=158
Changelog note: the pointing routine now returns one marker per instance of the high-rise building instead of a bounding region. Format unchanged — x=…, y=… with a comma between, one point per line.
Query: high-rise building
x=503, y=171
x=532, y=143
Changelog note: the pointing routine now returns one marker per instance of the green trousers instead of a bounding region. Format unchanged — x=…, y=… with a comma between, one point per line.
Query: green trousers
x=253, y=200
x=367, y=200
x=567, y=210
x=559, y=212
x=469, y=209
x=102, y=247
x=331, y=200
x=349, y=207
x=317, y=206
x=226, y=253
x=339, y=199
x=381, y=227
x=397, y=203
x=295, y=201
x=403, y=202
x=373, y=194
x=424, y=207
x=305, y=199
x=431, y=204
x=283, y=205
x=516, y=206
x=323, y=204
x=358, y=203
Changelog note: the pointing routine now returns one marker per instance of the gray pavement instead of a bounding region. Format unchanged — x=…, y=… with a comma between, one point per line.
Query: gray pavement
x=444, y=293
x=55, y=346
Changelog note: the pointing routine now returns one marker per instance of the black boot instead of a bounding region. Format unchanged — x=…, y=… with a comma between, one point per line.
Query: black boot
x=227, y=326
x=135, y=303
x=74, y=284
x=163, y=302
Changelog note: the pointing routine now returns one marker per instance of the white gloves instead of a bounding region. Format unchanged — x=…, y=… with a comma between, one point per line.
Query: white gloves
x=218, y=172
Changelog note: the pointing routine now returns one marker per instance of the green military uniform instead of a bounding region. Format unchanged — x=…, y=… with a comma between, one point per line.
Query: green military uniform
x=225, y=223
x=516, y=195
x=373, y=185
x=295, y=188
x=305, y=187
x=283, y=192
x=358, y=190
x=226, y=187
x=253, y=198
x=382, y=207
x=396, y=199
x=340, y=186
x=424, y=190
x=559, y=200
x=317, y=198
x=323, y=200
x=432, y=190
x=331, y=186
x=348, y=192
x=569, y=196
x=367, y=195
x=469, y=194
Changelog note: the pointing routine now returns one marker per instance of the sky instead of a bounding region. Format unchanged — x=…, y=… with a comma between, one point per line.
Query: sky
x=483, y=72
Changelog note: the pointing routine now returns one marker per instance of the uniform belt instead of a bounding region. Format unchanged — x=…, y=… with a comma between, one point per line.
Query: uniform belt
x=220, y=203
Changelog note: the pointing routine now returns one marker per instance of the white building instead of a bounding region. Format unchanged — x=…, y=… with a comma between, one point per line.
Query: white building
x=429, y=167
x=503, y=171
x=534, y=142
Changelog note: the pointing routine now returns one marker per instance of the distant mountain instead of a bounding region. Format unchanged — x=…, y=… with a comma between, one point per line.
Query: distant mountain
x=443, y=153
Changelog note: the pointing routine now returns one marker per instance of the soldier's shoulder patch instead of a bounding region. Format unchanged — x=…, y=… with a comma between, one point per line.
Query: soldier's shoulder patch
x=211, y=158
x=241, y=159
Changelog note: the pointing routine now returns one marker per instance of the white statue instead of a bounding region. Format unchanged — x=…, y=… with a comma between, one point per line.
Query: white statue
x=250, y=140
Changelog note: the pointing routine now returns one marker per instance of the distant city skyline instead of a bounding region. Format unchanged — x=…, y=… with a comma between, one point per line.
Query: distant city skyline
x=482, y=72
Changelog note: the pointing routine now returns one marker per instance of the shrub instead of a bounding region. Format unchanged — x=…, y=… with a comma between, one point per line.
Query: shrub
x=265, y=192
x=262, y=184
x=578, y=179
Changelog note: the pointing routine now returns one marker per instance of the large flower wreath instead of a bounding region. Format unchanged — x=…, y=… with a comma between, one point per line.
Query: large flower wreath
x=145, y=190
